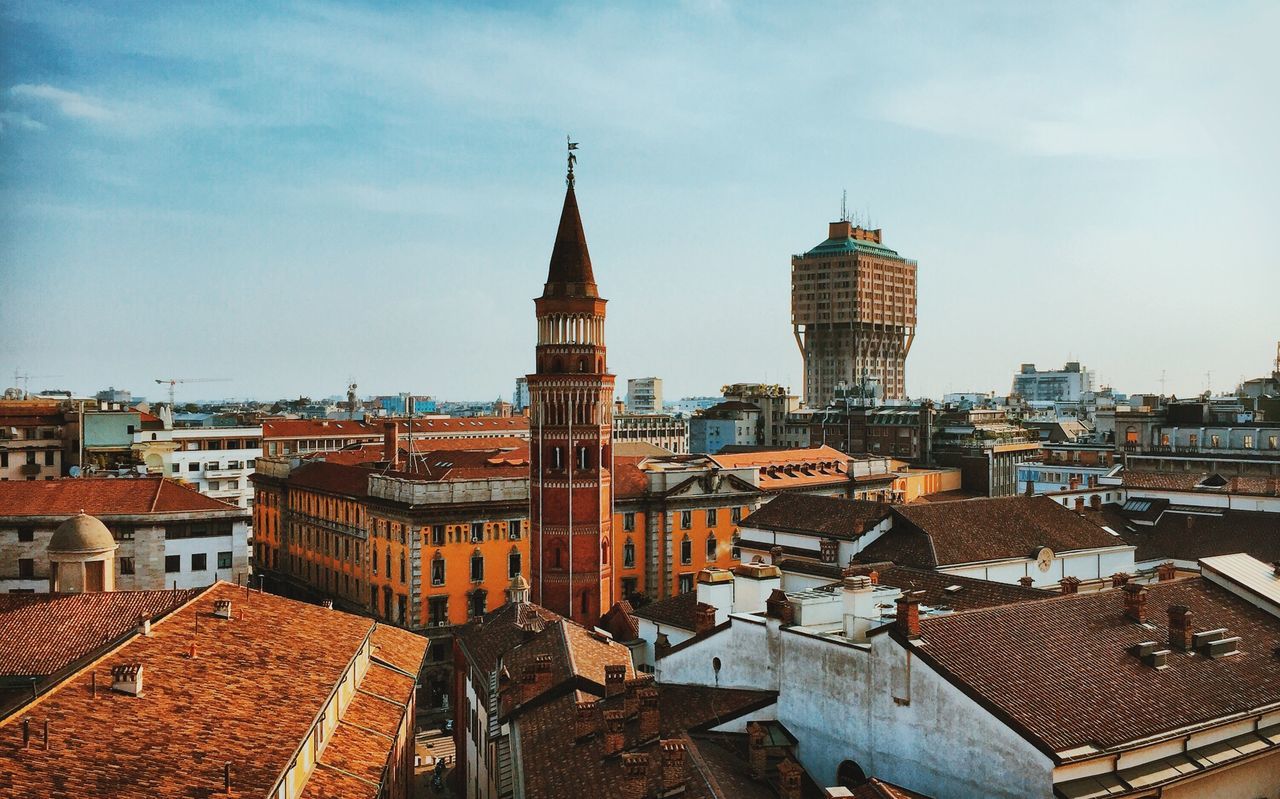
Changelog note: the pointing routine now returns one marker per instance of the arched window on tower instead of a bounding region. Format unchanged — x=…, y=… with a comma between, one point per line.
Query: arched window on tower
x=586, y=602
x=557, y=458
x=582, y=364
x=604, y=550
x=584, y=459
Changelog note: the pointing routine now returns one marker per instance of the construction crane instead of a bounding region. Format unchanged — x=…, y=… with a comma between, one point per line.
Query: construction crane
x=23, y=380
x=174, y=381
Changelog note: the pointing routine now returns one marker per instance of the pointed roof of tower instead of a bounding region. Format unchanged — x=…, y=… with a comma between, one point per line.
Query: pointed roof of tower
x=570, y=272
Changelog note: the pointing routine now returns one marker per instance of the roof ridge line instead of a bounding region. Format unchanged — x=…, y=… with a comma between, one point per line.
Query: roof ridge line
x=345, y=773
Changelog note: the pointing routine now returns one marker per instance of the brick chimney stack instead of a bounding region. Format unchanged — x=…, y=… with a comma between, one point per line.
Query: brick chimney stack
x=757, y=755
x=1119, y=580
x=1026, y=581
x=672, y=767
x=789, y=782
x=613, y=735
x=908, y=619
x=391, y=444
x=585, y=721
x=704, y=618
x=1079, y=504
x=635, y=781
x=649, y=719
x=1166, y=571
x=1135, y=602
x=631, y=694
x=777, y=606
x=1095, y=502
x=1070, y=585
x=1180, y=630
x=615, y=678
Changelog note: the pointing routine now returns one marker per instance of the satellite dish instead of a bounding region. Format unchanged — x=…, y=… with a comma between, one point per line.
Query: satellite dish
x=74, y=471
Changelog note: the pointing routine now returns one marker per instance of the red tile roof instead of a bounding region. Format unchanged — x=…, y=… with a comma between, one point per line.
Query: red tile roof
x=276, y=655
x=1187, y=481
x=333, y=478
x=972, y=531
x=1059, y=670
x=43, y=633
x=104, y=497
x=878, y=789
x=629, y=480
x=318, y=428
x=816, y=515
x=929, y=586
x=781, y=457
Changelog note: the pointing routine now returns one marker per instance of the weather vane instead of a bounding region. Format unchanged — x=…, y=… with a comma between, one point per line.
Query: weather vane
x=573, y=159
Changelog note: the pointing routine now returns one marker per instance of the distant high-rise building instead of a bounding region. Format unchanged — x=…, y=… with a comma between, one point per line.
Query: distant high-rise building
x=1064, y=385
x=644, y=395
x=520, y=397
x=853, y=312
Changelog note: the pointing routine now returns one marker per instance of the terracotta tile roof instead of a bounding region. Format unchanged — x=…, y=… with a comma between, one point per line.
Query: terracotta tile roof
x=501, y=630
x=327, y=782
x=104, y=497
x=318, y=428
x=196, y=714
x=1188, y=481
x=43, y=633
x=332, y=478
x=828, y=517
x=629, y=480
x=878, y=789
x=358, y=751
x=1052, y=669
x=978, y=530
x=781, y=457
x=400, y=648
x=680, y=610
x=1184, y=536
x=475, y=463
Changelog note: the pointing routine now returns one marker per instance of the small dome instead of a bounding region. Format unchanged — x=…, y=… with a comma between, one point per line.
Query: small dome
x=82, y=533
x=518, y=583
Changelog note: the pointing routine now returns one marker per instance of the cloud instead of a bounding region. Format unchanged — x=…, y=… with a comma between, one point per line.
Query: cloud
x=18, y=120
x=70, y=104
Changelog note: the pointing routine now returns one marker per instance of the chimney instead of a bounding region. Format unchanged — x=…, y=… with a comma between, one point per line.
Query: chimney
x=1070, y=585
x=635, y=780
x=859, y=606
x=144, y=625
x=584, y=724
x=1119, y=580
x=327, y=604
x=391, y=444
x=1180, y=628
x=1135, y=602
x=672, y=767
x=631, y=694
x=908, y=619
x=777, y=606
x=757, y=752
x=829, y=548
x=1273, y=486
x=615, y=677
x=1026, y=581
x=1031, y=488
x=715, y=587
x=1079, y=504
x=1166, y=571
x=126, y=678
x=775, y=554
x=1095, y=502
x=752, y=584
x=649, y=718
x=704, y=618
x=874, y=576
x=222, y=608
x=789, y=782
x=613, y=737
x=1072, y=484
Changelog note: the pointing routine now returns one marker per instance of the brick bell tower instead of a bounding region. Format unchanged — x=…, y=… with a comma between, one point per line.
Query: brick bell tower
x=571, y=433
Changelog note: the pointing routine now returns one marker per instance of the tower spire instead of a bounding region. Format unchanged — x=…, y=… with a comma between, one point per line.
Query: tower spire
x=573, y=159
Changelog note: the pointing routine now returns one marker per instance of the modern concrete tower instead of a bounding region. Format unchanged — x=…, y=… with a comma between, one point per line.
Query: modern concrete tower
x=853, y=312
x=571, y=434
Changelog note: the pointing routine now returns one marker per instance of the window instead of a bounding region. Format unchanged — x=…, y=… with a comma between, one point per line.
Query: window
x=26, y=568
x=173, y=468
x=557, y=458
x=711, y=547
x=686, y=519
x=478, y=603
x=126, y=566
x=224, y=560
x=387, y=556
x=26, y=533
x=629, y=554
x=686, y=551
x=629, y=587
x=584, y=459
x=1271, y=442
x=1215, y=441
x=438, y=611
x=193, y=467
x=214, y=485
x=199, y=562
x=513, y=564
x=477, y=532
x=513, y=530
x=737, y=553
x=711, y=517
x=172, y=564
x=735, y=515
x=437, y=535
x=48, y=457
x=1248, y=442
x=402, y=568
x=628, y=522
x=477, y=567
x=686, y=583
x=437, y=570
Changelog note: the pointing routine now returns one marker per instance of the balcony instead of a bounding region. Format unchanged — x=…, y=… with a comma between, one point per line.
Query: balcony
x=214, y=474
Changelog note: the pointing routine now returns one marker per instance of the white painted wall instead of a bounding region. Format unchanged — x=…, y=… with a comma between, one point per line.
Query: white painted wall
x=237, y=544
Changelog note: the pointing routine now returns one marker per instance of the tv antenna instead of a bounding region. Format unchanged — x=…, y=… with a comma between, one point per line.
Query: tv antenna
x=844, y=205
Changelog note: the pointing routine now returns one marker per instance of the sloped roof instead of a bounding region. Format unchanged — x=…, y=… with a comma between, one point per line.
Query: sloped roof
x=569, y=273
x=680, y=610
x=930, y=586
x=829, y=517
x=976, y=530
x=104, y=497
x=1047, y=667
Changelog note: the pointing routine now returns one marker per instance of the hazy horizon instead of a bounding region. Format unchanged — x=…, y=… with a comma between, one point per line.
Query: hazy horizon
x=293, y=196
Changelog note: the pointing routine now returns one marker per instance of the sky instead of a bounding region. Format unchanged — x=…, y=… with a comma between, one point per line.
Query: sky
x=290, y=197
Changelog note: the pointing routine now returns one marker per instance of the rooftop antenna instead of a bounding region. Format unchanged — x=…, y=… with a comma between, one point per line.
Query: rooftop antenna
x=1162, y=382
x=1208, y=382
x=844, y=205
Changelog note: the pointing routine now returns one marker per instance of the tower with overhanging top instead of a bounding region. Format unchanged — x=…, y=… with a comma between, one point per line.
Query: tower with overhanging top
x=571, y=433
